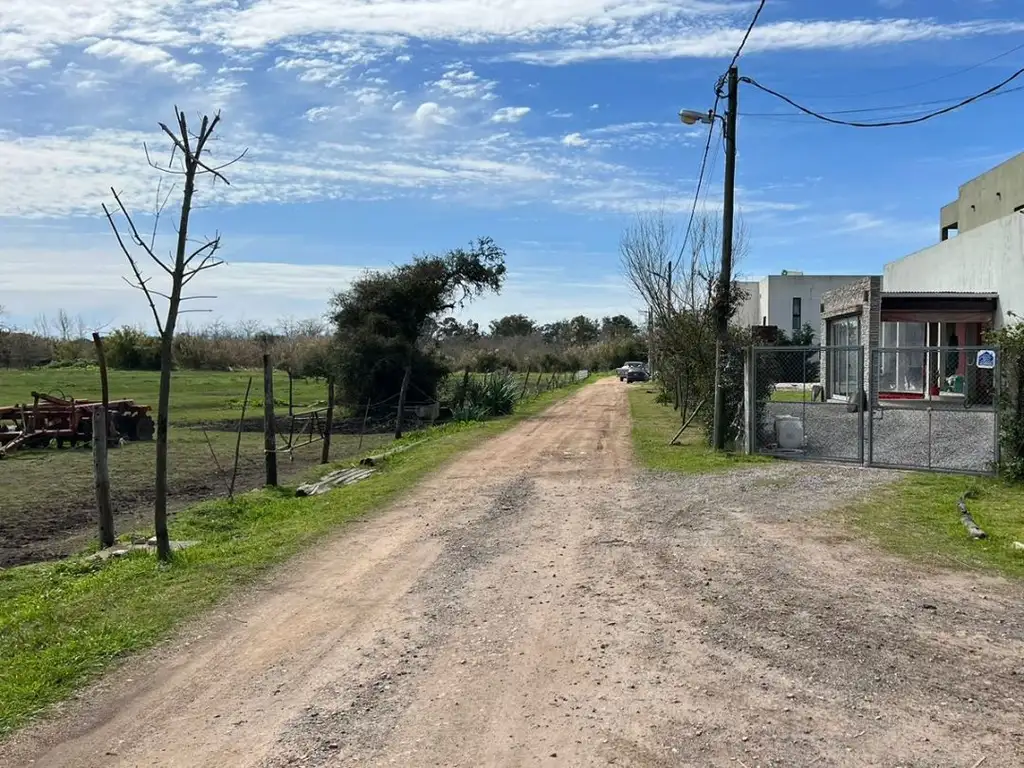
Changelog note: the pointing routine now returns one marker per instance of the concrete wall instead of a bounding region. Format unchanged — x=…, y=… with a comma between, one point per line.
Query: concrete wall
x=749, y=313
x=987, y=259
x=778, y=292
x=986, y=198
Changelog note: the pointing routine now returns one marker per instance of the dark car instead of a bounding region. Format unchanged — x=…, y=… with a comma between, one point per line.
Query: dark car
x=638, y=373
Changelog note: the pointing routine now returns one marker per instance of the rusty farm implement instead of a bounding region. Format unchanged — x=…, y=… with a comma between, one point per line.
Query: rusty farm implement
x=49, y=418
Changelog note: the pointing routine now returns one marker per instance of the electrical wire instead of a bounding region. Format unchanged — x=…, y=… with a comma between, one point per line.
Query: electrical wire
x=886, y=123
x=743, y=43
x=711, y=128
x=931, y=103
x=930, y=81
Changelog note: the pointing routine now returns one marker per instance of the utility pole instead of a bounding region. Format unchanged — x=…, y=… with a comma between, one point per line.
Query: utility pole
x=725, y=274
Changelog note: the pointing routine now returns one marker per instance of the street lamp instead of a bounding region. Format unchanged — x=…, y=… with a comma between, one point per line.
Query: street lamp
x=692, y=117
x=722, y=300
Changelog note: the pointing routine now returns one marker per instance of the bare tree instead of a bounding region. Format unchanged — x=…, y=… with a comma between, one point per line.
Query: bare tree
x=188, y=160
x=652, y=244
x=651, y=250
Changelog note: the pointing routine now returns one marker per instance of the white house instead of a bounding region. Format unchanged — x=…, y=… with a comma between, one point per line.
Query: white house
x=788, y=301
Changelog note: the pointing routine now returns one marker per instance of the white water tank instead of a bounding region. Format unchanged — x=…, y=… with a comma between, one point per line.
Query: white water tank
x=789, y=430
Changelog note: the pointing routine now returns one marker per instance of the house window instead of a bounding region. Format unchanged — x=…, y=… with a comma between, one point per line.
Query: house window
x=844, y=356
x=797, y=320
x=902, y=358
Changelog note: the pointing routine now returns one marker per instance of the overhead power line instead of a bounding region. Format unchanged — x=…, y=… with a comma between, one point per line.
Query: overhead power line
x=711, y=128
x=743, y=43
x=887, y=123
x=893, y=107
x=921, y=83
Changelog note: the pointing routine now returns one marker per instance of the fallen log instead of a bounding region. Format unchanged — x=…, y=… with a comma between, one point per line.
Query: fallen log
x=965, y=517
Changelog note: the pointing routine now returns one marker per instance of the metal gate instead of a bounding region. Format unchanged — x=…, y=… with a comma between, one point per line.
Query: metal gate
x=804, y=403
x=936, y=409
x=919, y=408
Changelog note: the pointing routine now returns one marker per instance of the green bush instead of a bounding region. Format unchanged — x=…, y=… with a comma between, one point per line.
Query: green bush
x=131, y=349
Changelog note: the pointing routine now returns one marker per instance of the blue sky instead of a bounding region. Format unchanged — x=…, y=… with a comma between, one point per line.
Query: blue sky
x=378, y=129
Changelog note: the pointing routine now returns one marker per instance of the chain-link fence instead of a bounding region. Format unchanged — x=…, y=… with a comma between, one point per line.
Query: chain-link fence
x=935, y=409
x=795, y=415
x=929, y=408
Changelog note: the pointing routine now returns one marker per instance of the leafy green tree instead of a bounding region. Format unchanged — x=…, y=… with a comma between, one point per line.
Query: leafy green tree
x=583, y=330
x=512, y=326
x=384, y=323
x=618, y=327
x=555, y=333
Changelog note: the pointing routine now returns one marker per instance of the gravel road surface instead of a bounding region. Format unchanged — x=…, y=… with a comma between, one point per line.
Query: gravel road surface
x=541, y=602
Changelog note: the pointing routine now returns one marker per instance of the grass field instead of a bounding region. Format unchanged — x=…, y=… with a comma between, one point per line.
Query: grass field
x=47, y=495
x=918, y=518
x=62, y=624
x=655, y=424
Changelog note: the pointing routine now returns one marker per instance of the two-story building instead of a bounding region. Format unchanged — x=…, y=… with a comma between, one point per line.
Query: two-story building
x=921, y=323
x=788, y=301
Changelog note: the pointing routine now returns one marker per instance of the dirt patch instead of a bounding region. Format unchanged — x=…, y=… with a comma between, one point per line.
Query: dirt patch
x=540, y=602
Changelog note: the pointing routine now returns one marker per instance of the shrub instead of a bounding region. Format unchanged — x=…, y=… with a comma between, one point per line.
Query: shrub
x=131, y=349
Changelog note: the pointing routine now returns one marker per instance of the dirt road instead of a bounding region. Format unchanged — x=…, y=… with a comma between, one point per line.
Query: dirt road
x=540, y=602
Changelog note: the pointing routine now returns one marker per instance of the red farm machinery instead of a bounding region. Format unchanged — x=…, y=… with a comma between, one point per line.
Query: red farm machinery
x=49, y=418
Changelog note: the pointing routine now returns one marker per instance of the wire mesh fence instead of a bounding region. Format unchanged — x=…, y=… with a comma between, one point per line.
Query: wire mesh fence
x=928, y=408
x=794, y=417
x=935, y=409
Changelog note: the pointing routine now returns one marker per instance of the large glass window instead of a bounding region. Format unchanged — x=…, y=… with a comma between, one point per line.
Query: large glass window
x=902, y=360
x=844, y=359
x=797, y=315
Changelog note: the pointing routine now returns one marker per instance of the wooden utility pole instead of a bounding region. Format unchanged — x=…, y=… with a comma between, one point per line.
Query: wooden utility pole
x=325, y=451
x=101, y=467
x=725, y=274
x=269, y=440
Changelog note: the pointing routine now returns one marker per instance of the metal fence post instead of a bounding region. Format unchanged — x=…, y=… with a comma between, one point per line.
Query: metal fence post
x=872, y=370
x=861, y=398
x=749, y=403
x=996, y=408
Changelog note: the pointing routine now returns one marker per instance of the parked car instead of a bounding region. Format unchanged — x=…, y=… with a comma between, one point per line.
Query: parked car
x=626, y=366
x=638, y=374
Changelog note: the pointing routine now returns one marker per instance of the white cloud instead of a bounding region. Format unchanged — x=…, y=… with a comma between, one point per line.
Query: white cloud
x=559, y=114
x=137, y=54
x=510, y=114
x=432, y=113
x=575, y=140
x=255, y=290
x=595, y=107
x=463, y=83
x=780, y=36
x=316, y=114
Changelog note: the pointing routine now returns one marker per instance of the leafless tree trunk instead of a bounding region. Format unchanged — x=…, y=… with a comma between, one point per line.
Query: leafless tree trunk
x=189, y=150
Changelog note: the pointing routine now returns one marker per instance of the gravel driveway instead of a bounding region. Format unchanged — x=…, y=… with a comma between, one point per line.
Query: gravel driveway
x=960, y=440
x=540, y=602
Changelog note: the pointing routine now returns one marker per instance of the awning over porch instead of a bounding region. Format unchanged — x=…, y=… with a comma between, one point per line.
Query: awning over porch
x=939, y=307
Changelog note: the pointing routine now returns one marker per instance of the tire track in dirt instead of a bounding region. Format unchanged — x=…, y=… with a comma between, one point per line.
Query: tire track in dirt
x=539, y=602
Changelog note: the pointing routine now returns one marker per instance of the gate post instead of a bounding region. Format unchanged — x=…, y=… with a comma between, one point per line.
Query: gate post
x=869, y=357
x=749, y=401
x=860, y=406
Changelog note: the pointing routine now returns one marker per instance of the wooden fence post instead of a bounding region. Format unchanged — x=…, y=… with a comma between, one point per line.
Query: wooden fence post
x=101, y=474
x=269, y=441
x=101, y=466
x=238, y=439
x=401, y=401
x=325, y=452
